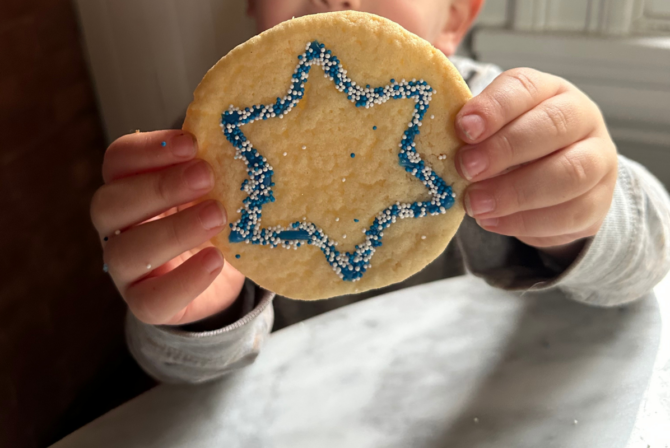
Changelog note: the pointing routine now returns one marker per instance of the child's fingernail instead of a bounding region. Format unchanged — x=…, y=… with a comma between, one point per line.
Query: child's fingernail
x=472, y=126
x=199, y=176
x=489, y=222
x=212, y=261
x=479, y=202
x=183, y=145
x=213, y=216
x=473, y=162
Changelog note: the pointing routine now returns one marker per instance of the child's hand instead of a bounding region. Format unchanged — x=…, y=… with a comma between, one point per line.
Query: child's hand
x=156, y=263
x=542, y=163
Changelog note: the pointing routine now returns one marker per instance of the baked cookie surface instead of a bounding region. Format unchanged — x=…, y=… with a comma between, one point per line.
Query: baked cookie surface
x=332, y=141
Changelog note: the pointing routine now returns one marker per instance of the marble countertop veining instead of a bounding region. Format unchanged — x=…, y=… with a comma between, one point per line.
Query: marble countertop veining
x=454, y=363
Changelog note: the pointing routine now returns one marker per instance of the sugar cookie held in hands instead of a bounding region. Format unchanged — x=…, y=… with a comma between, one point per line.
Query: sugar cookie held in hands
x=332, y=140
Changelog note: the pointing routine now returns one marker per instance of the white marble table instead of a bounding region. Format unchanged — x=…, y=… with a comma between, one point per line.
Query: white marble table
x=652, y=426
x=449, y=364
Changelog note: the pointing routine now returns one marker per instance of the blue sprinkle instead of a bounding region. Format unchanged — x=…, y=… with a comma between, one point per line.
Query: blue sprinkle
x=164, y=144
x=353, y=155
x=355, y=220
x=105, y=268
x=238, y=256
x=374, y=128
x=294, y=235
x=235, y=237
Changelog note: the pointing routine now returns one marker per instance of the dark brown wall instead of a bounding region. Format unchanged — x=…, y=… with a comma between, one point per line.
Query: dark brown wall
x=62, y=356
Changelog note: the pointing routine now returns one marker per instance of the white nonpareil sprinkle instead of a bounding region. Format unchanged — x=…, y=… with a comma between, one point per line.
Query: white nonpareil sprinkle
x=337, y=219
x=304, y=147
x=575, y=422
x=118, y=232
x=285, y=154
x=344, y=179
x=476, y=420
x=432, y=117
x=148, y=266
x=423, y=237
x=344, y=237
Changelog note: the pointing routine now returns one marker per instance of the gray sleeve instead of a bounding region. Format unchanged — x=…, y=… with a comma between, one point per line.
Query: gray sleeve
x=628, y=256
x=173, y=355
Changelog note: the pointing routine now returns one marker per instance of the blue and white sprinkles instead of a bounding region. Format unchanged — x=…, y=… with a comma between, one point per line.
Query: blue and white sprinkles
x=349, y=266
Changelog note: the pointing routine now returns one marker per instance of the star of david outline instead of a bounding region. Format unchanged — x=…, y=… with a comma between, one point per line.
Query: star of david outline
x=349, y=266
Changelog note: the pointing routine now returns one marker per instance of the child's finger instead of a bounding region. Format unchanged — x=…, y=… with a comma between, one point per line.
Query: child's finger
x=141, y=249
x=156, y=300
x=576, y=218
x=147, y=151
x=552, y=125
x=132, y=200
x=511, y=94
x=555, y=179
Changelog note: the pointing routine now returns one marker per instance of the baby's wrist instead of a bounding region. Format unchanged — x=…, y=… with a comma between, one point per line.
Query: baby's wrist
x=229, y=315
x=216, y=321
x=564, y=255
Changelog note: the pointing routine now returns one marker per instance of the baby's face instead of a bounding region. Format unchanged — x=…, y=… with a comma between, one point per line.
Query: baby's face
x=425, y=18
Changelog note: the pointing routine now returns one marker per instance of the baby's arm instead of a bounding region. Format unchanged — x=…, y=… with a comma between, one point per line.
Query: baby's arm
x=207, y=349
x=559, y=207
x=154, y=235
x=631, y=252
x=628, y=256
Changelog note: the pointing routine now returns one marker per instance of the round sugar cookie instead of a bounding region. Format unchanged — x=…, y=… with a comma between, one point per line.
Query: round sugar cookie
x=332, y=141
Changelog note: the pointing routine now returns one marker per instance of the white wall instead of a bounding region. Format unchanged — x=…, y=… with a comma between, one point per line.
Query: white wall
x=147, y=56
x=603, y=47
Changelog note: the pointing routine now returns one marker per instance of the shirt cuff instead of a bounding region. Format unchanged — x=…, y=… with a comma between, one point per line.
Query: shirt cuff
x=177, y=355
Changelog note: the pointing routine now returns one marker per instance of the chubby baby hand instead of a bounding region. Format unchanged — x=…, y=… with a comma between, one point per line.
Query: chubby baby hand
x=542, y=164
x=155, y=233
